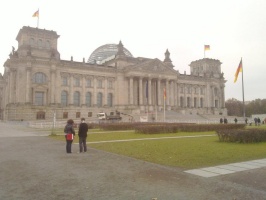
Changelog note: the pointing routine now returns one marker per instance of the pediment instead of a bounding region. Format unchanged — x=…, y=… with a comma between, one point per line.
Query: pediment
x=152, y=66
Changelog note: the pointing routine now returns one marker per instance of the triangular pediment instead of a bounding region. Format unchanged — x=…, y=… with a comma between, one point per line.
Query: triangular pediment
x=152, y=66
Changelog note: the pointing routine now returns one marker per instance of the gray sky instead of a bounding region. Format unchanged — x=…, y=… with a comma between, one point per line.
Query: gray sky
x=232, y=28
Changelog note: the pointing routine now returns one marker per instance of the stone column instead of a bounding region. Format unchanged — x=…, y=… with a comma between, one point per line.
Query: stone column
x=149, y=91
x=171, y=88
x=58, y=89
x=207, y=96
x=27, y=92
x=177, y=95
x=167, y=92
x=94, y=91
x=10, y=78
x=52, y=86
x=71, y=97
x=159, y=92
x=222, y=97
x=185, y=96
x=83, y=94
x=17, y=99
x=140, y=91
x=105, y=98
x=131, y=90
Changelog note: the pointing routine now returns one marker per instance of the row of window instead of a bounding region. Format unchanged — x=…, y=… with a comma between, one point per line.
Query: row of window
x=41, y=115
x=189, y=90
x=195, y=103
x=40, y=77
x=39, y=99
x=89, y=82
x=40, y=43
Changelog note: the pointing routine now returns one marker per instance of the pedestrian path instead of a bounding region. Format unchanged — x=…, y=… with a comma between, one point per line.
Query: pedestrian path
x=228, y=169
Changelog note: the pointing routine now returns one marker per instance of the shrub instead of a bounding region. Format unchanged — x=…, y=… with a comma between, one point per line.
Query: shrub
x=181, y=127
x=242, y=135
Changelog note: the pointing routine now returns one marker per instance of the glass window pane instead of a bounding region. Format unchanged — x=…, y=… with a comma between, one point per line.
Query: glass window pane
x=88, y=99
x=64, y=98
x=76, y=99
x=39, y=97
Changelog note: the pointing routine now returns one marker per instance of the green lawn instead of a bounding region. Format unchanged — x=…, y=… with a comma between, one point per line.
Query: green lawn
x=186, y=153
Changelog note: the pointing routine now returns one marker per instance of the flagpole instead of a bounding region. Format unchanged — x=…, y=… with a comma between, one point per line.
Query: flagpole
x=244, y=110
x=164, y=110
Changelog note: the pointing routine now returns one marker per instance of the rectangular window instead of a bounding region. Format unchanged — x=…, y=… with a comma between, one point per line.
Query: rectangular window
x=77, y=82
x=40, y=115
x=77, y=114
x=100, y=84
x=39, y=98
x=188, y=102
x=89, y=83
x=216, y=103
x=201, y=91
x=89, y=114
x=65, y=115
x=64, y=81
x=110, y=84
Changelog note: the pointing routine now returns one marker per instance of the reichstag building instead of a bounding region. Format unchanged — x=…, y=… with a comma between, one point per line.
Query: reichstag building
x=38, y=85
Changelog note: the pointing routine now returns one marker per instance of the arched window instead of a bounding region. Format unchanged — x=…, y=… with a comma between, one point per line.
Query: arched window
x=88, y=99
x=110, y=100
x=39, y=77
x=64, y=99
x=76, y=99
x=99, y=99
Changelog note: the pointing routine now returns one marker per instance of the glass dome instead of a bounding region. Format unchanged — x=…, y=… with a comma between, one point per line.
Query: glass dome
x=105, y=53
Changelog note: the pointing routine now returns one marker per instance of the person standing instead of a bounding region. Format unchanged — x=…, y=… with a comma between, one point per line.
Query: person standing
x=83, y=130
x=69, y=134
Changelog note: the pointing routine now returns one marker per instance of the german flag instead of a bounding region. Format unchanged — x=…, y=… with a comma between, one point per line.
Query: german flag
x=36, y=14
x=239, y=69
x=206, y=47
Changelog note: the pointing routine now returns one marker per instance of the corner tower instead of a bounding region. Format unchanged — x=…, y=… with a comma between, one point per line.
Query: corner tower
x=206, y=67
x=38, y=43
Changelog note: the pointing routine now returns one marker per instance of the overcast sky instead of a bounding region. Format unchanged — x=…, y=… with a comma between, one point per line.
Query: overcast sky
x=232, y=28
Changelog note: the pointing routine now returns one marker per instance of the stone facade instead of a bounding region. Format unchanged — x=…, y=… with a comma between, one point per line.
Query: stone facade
x=37, y=84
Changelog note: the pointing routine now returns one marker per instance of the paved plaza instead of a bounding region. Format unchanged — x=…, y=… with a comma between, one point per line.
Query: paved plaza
x=34, y=166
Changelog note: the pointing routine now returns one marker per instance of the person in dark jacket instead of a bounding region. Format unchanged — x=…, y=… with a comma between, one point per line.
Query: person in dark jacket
x=83, y=129
x=69, y=130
